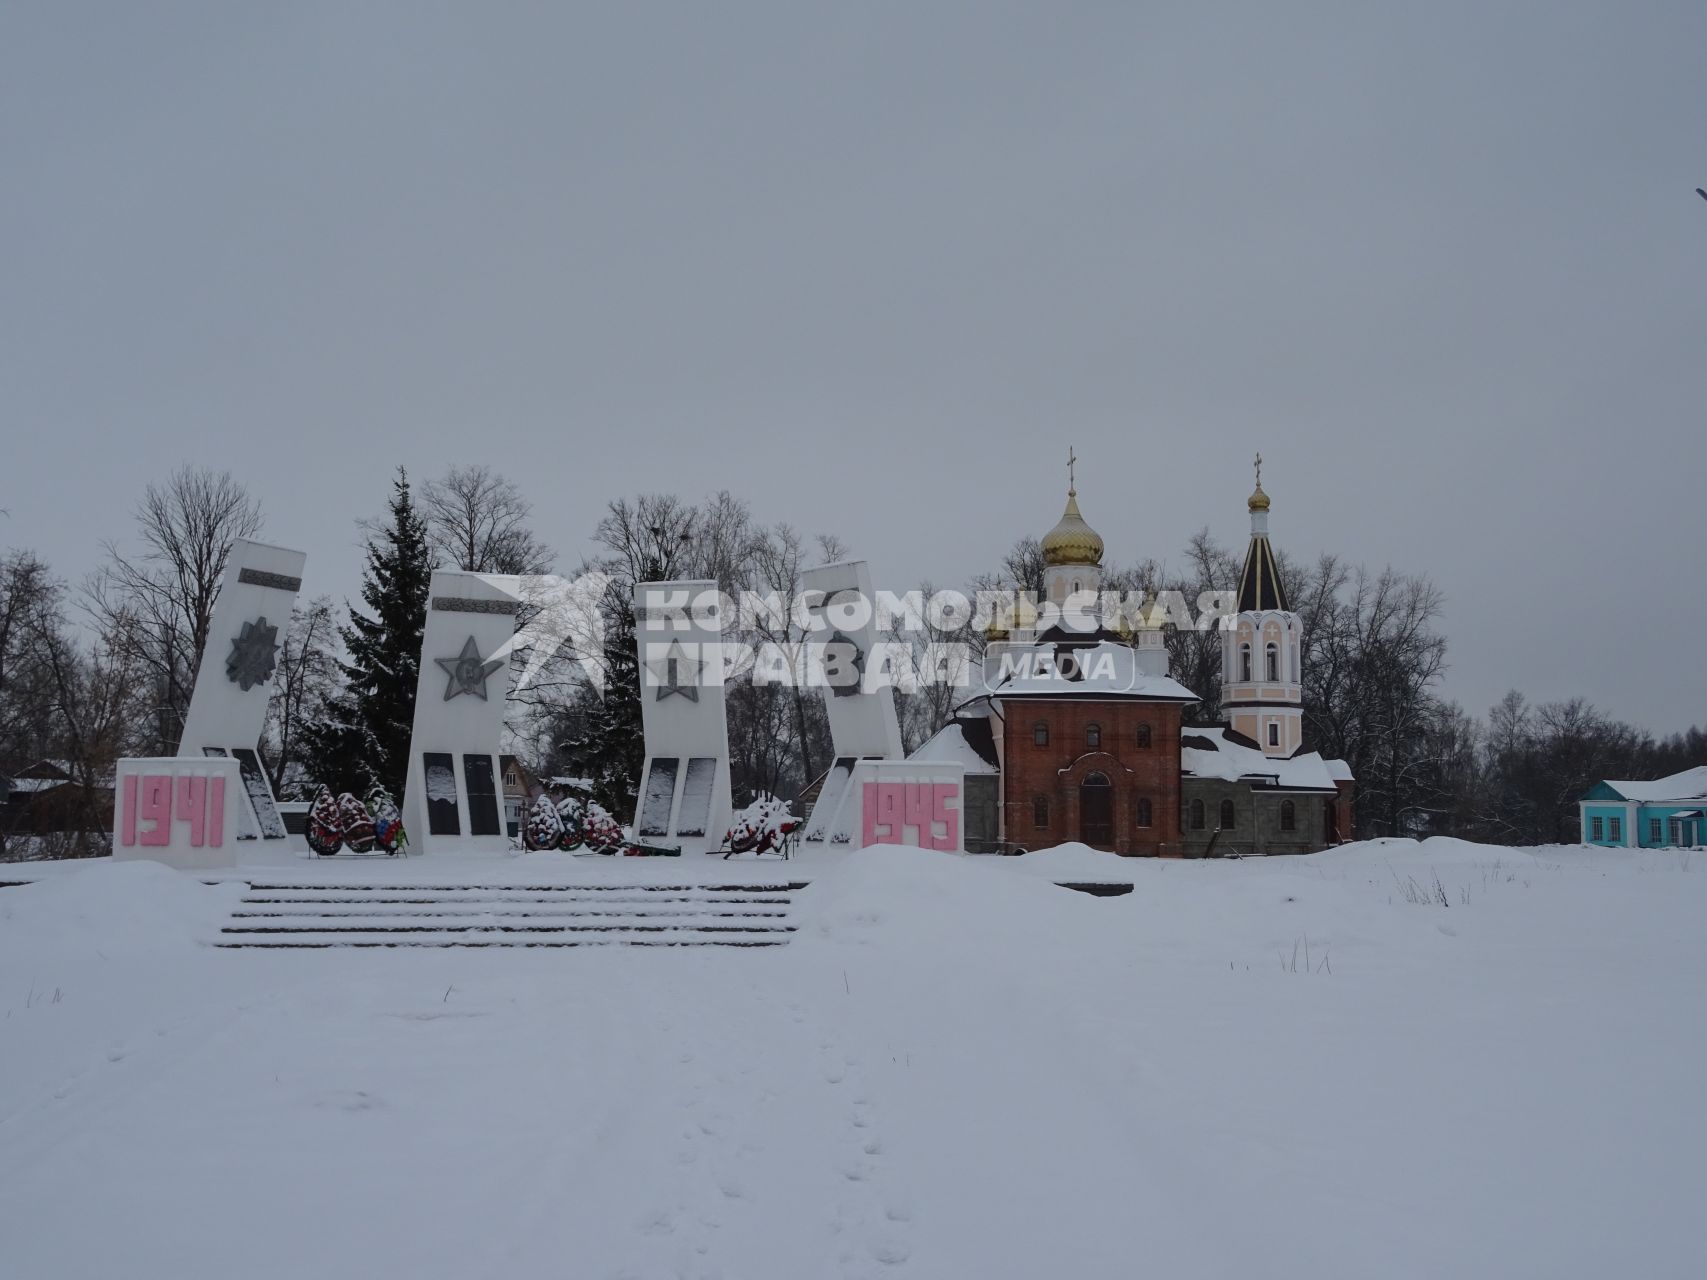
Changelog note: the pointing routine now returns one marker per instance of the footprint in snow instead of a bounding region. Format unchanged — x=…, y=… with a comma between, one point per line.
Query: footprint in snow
x=348, y=1100
x=890, y=1249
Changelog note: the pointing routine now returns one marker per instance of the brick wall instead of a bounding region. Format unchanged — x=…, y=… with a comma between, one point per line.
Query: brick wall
x=1258, y=826
x=1055, y=771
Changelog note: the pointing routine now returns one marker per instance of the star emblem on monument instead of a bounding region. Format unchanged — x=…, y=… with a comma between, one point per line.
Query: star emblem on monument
x=253, y=651
x=468, y=671
x=670, y=671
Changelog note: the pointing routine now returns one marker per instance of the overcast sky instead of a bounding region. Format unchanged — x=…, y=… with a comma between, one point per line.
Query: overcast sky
x=875, y=266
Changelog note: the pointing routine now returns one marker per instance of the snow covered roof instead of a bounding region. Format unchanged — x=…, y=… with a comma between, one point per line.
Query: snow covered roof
x=962, y=742
x=1221, y=753
x=1338, y=770
x=29, y=786
x=1107, y=669
x=48, y=767
x=1691, y=784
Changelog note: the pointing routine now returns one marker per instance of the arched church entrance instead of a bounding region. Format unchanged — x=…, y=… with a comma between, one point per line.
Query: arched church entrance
x=1096, y=811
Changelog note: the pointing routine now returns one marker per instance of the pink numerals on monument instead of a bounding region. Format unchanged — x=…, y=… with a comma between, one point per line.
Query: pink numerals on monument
x=892, y=809
x=151, y=801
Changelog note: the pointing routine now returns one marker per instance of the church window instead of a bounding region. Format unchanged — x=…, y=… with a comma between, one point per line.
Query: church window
x=1288, y=816
x=1654, y=830
x=1040, y=734
x=1040, y=811
x=1197, y=819
x=1144, y=812
x=1144, y=734
x=1597, y=829
x=1229, y=819
x=1093, y=735
x=1274, y=733
x=1244, y=662
x=1615, y=831
x=1271, y=662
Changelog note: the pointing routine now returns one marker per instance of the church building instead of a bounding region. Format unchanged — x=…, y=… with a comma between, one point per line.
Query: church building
x=1076, y=732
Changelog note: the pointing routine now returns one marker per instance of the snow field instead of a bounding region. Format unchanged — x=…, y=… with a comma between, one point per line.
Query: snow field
x=1288, y=1067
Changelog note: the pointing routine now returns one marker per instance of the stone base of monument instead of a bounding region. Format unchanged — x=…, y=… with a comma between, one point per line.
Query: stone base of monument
x=867, y=802
x=180, y=810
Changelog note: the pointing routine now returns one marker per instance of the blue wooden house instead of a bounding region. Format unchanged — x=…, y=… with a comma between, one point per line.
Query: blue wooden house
x=1665, y=813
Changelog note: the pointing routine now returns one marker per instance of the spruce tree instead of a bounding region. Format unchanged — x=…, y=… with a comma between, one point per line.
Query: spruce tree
x=364, y=740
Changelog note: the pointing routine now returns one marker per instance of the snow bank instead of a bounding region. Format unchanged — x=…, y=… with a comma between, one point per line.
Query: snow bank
x=922, y=900
x=1072, y=862
x=111, y=908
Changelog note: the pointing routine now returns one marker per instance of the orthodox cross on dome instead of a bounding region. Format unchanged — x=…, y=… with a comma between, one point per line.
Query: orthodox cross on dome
x=1259, y=470
x=467, y=671
x=1071, y=459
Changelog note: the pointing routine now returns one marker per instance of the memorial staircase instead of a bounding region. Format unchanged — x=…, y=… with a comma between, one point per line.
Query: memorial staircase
x=508, y=915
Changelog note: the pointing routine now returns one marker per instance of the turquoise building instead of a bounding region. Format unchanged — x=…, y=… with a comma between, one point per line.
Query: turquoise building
x=1663, y=814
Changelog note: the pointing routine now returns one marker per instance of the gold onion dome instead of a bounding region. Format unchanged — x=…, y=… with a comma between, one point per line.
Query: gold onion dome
x=1072, y=541
x=1259, y=499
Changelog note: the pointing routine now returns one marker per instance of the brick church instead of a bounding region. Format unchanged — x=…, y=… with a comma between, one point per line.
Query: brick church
x=1078, y=733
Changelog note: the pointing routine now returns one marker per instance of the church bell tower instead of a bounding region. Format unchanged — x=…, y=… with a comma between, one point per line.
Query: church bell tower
x=1261, y=656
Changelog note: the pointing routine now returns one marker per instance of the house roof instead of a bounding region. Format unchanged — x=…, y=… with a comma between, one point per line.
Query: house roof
x=965, y=742
x=35, y=786
x=47, y=774
x=1232, y=757
x=1691, y=784
x=59, y=770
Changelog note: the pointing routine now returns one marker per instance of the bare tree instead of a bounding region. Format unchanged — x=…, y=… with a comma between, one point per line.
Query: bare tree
x=28, y=595
x=155, y=608
x=941, y=653
x=780, y=560
x=1194, y=656
x=27, y=591
x=88, y=695
x=1373, y=663
x=659, y=537
x=306, y=681
x=477, y=521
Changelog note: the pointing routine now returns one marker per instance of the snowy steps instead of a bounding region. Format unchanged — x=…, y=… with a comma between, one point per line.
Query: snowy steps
x=505, y=915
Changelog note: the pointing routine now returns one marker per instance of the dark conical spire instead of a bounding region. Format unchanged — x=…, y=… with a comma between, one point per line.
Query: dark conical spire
x=1260, y=588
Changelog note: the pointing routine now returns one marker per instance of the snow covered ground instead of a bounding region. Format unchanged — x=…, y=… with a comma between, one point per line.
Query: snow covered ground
x=1284, y=1067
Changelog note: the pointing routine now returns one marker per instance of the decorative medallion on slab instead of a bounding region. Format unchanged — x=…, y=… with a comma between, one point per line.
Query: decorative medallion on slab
x=253, y=653
x=468, y=671
x=844, y=663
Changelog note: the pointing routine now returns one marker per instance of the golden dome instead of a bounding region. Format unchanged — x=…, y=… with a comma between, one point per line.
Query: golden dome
x=1072, y=541
x=1259, y=499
